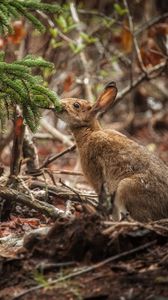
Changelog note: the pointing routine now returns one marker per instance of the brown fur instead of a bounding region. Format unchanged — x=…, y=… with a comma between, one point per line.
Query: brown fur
x=138, y=179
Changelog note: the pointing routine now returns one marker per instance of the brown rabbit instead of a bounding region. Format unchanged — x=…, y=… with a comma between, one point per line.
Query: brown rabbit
x=115, y=165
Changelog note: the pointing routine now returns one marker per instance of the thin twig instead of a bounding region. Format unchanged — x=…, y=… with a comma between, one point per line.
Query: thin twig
x=84, y=59
x=158, y=68
x=150, y=23
x=54, y=157
x=70, y=188
x=26, y=188
x=66, y=172
x=113, y=226
x=98, y=14
x=52, y=25
x=131, y=28
x=50, y=174
x=88, y=269
x=78, y=42
x=48, y=266
x=138, y=31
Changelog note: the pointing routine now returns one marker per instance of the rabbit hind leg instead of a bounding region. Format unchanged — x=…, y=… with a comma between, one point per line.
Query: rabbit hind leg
x=128, y=199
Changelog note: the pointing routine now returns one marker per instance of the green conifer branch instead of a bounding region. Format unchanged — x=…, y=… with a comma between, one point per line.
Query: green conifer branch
x=12, y=9
x=19, y=87
x=17, y=84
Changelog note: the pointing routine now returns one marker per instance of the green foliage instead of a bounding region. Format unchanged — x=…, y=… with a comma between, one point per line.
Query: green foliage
x=19, y=87
x=119, y=9
x=65, y=24
x=76, y=48
x=40, y=278
x=54, y=32
x=108, y=23
x=65, y=21
x=13, y=9
x=63, y=284
x=87, y=38
x=17, y=84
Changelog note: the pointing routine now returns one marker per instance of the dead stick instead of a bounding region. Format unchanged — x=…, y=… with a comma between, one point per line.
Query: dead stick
x=88, y=269
x=54, y=157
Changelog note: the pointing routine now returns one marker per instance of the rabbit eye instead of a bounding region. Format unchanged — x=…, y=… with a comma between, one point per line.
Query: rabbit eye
x=76, y=105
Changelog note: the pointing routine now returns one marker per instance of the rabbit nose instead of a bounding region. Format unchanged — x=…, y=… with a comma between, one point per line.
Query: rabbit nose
x=62, y=108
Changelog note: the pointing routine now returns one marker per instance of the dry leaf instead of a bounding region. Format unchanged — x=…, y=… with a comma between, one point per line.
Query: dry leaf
x=126, y=38
x=150, y=53
x=68, y=82
x=19, y=33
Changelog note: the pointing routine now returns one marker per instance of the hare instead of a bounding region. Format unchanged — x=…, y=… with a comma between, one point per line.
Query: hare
x=114, y=165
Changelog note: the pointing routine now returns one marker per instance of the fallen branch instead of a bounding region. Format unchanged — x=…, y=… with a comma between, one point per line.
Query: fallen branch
x=45, y=208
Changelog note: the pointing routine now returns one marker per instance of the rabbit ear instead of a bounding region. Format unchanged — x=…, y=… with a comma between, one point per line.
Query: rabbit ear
x=106, y=98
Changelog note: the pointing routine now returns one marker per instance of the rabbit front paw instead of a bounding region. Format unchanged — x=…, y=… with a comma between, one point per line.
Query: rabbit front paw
x=106, y=200
x=125, y=216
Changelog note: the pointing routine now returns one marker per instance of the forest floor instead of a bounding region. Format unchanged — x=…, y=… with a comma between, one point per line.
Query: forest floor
x=88, y=257
x=86, y=261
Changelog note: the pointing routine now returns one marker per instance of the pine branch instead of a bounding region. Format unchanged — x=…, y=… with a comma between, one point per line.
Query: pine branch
x=19, y=87
x=17, y=84
x=10, y=9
